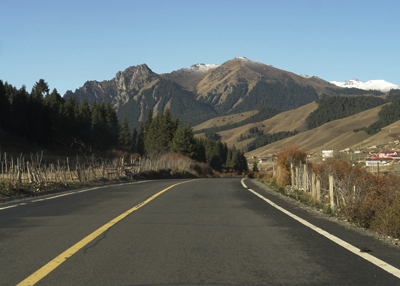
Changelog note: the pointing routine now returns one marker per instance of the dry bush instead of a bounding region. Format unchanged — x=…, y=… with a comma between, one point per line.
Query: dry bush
x=372, y=201
x=216, y=174
x=287, y=156
x=228, y=175
x=260, y=175
x=266, y=176
x=386, y=217
x=250, y=174
x=203, y=170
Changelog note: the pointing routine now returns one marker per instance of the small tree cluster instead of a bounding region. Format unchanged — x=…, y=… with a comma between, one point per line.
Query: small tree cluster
x=163, y=133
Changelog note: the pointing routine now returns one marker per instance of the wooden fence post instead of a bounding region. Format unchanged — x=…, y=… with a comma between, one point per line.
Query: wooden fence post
x=313, y=185
x=293, y=173
x=332, y=199
x=305, y=178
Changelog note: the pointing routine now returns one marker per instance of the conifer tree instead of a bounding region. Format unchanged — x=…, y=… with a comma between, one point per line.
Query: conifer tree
x=52, y=104
x=148, y=121
x=153, y=146
x=36, y=111
x=125, y=137
x=134, y=140
x=183, y=141
x=19, y=111
x=97, y=126
x=140, y=140
x=200, y=150
x=228, y=163
x=85, y=122
x=112, y=124
x=69, y=113
x=4, y=107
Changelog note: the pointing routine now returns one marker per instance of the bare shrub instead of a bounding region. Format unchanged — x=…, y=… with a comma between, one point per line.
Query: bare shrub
x=287, y=156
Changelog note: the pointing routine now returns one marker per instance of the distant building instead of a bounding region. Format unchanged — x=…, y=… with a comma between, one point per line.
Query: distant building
x=395, y=157
x=385, y=154
x=327, y=154
x=378, y=161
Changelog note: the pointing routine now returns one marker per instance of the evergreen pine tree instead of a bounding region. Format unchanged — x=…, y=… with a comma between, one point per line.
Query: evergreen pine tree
x=140, y=140
x=183, y=141
x=228, y=163
x=52, y=104
x=148, y=121
x=200, y=150
x=134, y=140
x=85, y=122
x=112, y=124
x=19, y=112
x=4, y=107
x=153, y=146
x=125, y=137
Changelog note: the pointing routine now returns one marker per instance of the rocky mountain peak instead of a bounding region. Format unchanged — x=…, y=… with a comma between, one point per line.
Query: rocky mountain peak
x=134, y=77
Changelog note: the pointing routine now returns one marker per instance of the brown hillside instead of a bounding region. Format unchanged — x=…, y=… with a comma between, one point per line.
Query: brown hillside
x=334, y=135
x=223, y=78
x=285, y=121
x=223, y=120
x=388, y=134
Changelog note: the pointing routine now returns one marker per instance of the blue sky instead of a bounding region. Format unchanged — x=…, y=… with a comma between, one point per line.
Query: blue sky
x=69, y=42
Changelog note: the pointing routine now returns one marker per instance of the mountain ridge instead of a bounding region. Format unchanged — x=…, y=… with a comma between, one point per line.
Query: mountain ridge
x=204, y=91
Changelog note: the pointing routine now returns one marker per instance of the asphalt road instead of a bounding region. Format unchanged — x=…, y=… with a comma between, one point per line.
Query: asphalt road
x=201, y=232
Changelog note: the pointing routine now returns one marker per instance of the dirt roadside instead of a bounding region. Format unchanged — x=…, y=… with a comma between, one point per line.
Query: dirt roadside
x=393, y=242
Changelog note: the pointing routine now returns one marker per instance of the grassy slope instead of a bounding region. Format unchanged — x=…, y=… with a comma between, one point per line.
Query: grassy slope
x=334, y=135
x=388, y=134
x=223, y=120
x=285, y=121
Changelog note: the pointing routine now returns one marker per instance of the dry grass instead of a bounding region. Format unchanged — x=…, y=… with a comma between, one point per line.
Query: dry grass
x=19, y=176
x=334, y=135
x=223, y=120
x=285, y=121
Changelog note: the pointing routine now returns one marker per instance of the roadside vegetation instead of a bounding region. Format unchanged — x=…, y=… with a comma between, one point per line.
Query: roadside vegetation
x=107, y=150
x=367, y=200
x=33, y=176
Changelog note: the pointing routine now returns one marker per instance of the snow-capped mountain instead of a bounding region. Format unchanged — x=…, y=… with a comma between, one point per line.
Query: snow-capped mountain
x=381, y=85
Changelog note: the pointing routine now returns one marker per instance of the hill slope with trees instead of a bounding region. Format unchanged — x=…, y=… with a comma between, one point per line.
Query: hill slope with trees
x=338, y=107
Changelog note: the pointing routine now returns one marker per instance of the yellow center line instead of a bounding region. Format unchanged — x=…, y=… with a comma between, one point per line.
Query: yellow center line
x=53, y=264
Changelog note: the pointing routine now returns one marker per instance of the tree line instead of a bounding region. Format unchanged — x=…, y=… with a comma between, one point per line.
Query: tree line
x=338, y=107
x=389, y=114
x=263, y=113
x=266, y=139
x=46, y=117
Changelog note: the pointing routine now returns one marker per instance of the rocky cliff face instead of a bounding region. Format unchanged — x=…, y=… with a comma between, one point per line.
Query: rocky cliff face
x=120, y=89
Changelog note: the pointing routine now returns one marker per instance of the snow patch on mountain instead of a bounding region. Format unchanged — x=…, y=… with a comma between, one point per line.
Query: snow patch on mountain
x=201, y=68
x=251, y=63
x=381, y=85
